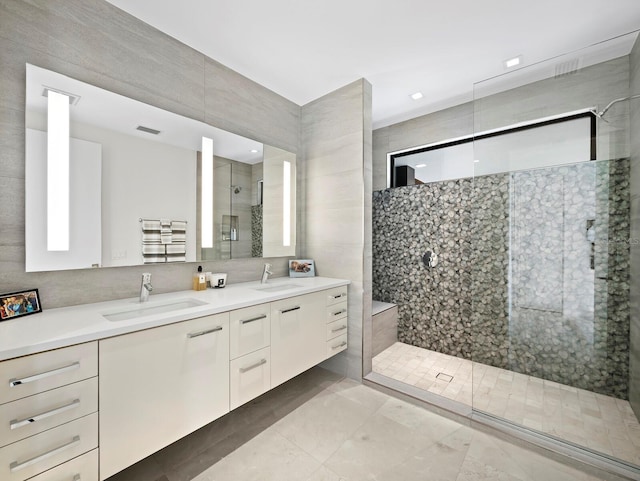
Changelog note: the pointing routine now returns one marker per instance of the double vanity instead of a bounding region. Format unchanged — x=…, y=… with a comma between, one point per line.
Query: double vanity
x=157, y=370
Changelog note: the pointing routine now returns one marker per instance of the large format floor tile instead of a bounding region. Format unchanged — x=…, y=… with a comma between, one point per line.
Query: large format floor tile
x=353, y=433
x=320, y=427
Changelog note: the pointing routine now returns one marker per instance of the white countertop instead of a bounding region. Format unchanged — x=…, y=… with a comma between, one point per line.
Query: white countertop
x=65, y=326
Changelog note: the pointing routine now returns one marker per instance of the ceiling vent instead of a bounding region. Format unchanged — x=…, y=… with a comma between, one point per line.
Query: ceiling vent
x=148, y=130
x=73, y=99
x=567, y=68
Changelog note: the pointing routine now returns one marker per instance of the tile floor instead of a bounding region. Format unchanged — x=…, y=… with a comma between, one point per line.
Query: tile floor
x=598, y=422
x=353, y=433
x=321, y=427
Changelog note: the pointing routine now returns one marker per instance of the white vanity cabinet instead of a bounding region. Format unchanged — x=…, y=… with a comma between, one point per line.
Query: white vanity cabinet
x=336, y=313
x=91, y=408
x=298, y=339
x=250, y=353
x=48, y=414
x=159, y=385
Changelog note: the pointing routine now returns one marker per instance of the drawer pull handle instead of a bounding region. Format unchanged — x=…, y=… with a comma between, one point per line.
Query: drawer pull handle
x=339, y=312
x=15, y=466
x=340, y=295
x=284, y=311
x=202, y=333
x=42, y=375
x=38, y=417
x=338, y=329
x=247, y=321
x=342, y=344
x=253, y=366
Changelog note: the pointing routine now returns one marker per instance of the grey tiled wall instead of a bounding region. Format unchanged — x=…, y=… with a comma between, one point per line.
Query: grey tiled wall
x=95, y=42
x=337, y=150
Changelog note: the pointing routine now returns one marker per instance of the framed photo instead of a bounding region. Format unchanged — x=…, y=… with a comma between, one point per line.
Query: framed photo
x=302, y=268
x=17, y=304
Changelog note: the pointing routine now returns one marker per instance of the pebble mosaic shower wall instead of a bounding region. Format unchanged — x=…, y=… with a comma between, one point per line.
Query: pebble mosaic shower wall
x=256, y=230
x=533, y=272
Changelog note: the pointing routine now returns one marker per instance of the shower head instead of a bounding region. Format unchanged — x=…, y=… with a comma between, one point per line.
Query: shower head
x=600, y=114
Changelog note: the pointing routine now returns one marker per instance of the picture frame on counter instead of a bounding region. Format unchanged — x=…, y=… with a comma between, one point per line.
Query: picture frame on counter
x=302, y=268
x=20, y=303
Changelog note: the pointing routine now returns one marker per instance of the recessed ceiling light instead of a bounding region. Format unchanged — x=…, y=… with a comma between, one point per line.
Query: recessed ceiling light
x=254, y=151
x=476, y=161
x=417, y=96
x=513, y=62
x=420, y=166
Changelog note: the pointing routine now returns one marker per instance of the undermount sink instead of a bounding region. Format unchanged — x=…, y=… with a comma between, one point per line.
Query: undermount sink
x=276, y=287
x=141, y=310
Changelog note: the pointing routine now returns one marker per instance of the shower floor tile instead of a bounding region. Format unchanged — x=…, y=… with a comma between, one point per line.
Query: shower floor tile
x=598, y=422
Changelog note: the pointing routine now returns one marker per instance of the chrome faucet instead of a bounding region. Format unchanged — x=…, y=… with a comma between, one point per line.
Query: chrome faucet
x=266, y=273
x=145, y=287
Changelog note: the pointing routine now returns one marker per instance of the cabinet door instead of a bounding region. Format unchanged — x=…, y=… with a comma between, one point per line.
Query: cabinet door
x=298, y=335
x=159, y=385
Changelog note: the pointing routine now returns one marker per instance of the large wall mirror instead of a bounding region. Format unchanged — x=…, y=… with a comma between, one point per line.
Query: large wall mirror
x=111, y=181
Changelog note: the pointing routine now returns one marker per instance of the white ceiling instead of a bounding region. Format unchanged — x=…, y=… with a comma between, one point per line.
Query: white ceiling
x=304, y=49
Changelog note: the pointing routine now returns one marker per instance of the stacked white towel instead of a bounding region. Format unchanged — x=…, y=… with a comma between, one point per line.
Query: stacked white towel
x=165, y=231
x=164, y=241
x=151, y=225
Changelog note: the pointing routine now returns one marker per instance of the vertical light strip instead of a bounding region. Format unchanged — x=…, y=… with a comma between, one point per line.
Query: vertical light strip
x=207, y=193
x=286, y=203
x=57, y=171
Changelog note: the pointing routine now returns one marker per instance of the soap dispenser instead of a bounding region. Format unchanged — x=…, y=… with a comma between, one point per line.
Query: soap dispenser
x=199, y=280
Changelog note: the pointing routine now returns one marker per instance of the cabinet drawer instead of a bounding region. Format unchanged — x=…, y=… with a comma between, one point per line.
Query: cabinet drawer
x=82, y=468
x=249, y=377
x=24, y=376
x=337, y=311
x=336, y=295
x=26, y=458
x=336, y=328
x=249, y=330
x=31, y=415
x=336, y=345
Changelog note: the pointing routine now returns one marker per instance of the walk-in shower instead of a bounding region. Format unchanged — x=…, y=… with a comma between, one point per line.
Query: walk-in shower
x=527, y=316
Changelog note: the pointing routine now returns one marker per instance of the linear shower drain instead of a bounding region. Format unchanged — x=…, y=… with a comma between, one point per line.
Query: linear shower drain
x=444, y=377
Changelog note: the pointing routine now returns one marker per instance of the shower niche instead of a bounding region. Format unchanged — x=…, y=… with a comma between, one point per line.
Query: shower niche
x=230, y=228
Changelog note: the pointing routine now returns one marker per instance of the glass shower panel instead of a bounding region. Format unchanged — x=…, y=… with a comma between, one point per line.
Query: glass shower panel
x=550, y=253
